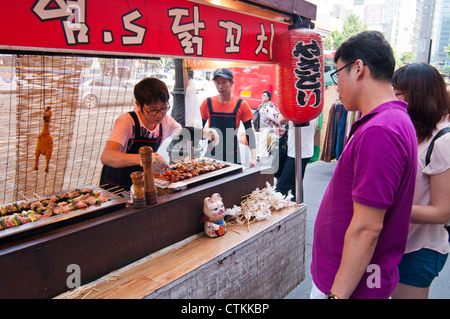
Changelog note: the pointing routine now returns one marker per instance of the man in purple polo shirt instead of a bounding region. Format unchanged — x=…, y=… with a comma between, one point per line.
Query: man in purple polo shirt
x=362, y=224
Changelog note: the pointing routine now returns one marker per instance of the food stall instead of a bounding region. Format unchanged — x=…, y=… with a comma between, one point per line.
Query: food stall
x=57, y=255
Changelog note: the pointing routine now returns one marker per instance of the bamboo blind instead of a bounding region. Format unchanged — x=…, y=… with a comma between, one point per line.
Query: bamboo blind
x=43, y=81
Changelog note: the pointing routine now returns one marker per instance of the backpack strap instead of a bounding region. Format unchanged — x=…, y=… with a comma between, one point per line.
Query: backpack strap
x=430, y=148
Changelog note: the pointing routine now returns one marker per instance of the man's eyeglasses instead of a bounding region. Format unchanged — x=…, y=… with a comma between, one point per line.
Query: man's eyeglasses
x=335, y=76
x=154, y=112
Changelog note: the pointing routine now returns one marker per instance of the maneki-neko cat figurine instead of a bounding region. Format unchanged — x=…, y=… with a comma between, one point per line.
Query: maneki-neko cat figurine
x=213, y=219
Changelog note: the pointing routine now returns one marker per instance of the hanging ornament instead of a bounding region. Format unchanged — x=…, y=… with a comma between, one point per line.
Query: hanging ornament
x=300, y=75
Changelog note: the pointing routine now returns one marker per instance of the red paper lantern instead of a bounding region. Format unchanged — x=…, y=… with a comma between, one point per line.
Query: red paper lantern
x=300, y=75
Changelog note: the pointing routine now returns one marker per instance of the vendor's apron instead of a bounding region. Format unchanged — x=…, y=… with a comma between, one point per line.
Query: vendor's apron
x=223, y=121
x=121, y=176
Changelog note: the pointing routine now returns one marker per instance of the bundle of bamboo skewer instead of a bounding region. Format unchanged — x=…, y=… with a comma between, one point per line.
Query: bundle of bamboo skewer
x=258, y=206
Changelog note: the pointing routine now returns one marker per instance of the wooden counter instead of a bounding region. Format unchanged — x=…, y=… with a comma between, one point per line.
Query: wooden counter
x=265, y=260
x=38, y=266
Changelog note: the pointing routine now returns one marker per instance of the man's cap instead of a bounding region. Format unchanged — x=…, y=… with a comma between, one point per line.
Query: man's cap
x=225, y=73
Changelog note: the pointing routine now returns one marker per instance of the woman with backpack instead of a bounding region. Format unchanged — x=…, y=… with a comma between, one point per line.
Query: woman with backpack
x=423, y=87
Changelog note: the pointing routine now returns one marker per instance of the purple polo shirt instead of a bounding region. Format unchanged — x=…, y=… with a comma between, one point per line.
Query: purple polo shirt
x=378, y=169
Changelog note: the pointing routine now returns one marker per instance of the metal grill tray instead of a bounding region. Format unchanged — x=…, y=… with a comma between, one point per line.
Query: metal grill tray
x=115, y=201
x=201, y=179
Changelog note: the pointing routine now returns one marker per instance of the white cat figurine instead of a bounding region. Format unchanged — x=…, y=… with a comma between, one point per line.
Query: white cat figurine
x=214, y=211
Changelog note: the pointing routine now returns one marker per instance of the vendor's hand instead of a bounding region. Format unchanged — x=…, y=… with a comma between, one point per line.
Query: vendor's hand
x=211, y=135
x=253, y=160
x=158, y=163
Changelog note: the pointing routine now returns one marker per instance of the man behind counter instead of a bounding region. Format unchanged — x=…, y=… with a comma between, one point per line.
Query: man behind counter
x=225, y=112
x=147, y=125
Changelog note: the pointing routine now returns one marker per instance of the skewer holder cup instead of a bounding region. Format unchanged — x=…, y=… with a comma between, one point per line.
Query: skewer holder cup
x=139, y=200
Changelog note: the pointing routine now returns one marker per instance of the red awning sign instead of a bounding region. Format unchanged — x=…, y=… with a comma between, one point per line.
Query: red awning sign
x=176, y=28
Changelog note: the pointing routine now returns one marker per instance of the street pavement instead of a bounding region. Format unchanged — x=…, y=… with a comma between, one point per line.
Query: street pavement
x=317, y=177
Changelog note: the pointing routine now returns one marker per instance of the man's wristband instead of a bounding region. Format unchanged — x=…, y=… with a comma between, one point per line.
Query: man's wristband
x=330, y=295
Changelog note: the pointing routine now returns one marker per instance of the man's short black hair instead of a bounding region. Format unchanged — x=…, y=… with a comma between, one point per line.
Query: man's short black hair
x=149, y=91
x=373, y=49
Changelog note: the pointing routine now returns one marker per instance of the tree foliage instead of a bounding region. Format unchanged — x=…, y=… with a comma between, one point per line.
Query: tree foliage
x=352, y=26
x=408, y=57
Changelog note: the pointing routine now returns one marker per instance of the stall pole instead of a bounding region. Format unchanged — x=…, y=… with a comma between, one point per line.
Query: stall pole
x=178, y=110
x=298, y=163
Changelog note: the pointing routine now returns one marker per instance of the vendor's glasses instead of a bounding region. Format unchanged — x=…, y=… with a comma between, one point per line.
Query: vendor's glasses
x=154, y=112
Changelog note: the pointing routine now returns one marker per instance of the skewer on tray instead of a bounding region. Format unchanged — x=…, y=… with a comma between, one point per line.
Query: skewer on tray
x=116, y=193
x=183, y=170
x=17, y=214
